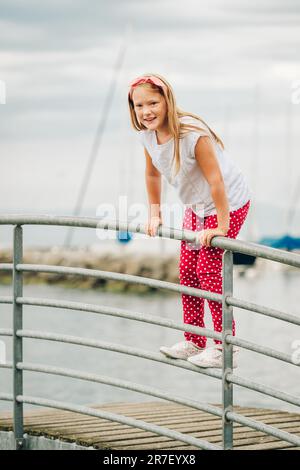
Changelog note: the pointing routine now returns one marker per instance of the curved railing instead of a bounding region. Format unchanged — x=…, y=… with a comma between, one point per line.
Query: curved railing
x=225, y=374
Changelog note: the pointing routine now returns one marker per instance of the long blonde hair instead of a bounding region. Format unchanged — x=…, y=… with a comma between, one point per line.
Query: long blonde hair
x=178, y=129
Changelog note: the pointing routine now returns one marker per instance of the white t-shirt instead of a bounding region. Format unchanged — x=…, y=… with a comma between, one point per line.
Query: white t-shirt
x=192, y=188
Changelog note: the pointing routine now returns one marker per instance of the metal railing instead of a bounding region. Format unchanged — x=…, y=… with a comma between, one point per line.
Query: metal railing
x=228, y=302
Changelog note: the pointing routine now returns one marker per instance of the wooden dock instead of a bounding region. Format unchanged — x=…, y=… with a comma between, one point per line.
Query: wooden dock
x=103, y=434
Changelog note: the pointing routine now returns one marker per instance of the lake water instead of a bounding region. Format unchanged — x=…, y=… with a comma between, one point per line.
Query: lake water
x=272, y=287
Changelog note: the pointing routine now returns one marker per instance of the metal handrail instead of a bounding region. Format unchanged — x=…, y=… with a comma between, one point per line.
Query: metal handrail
x=199, y=443
x=117, y=312
x=227, y=299
x=131, y=279
x=238, y=246
x=127, y=385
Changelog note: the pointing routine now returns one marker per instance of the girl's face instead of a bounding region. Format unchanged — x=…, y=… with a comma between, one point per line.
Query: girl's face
x=150, y=108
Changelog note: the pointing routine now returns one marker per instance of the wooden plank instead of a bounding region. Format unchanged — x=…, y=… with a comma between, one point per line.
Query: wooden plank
x=195, y=434
x=212, y=436
x=173, y=411
x=174, y=443
x=87, y=430
x=106, y=406
x=133, y=412
x=96, y=424
x=259, y=443
x=92, y=420
x=121, y=408
x=183, y=427
x=291, y=448
x=90, y=431
x=245, y=437
x=137, y=439
x=266, y=446
x=70, y=416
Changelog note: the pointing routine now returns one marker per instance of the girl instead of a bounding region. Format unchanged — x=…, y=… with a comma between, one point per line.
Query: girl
x=183, y=148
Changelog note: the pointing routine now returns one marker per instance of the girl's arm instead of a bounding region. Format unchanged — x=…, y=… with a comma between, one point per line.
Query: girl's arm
x=208, y=162
x=153, y=184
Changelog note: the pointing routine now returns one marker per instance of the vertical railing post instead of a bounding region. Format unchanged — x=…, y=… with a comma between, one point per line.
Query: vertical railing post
x=227, y=318
x=17, y=341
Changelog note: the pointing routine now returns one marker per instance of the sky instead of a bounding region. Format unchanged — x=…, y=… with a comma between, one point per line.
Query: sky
x=234, y=63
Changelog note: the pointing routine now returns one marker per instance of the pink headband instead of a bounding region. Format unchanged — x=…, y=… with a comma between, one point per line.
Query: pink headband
x=148, y=79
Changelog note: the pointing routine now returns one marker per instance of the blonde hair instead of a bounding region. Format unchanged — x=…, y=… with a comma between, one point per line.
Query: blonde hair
x=178, y=129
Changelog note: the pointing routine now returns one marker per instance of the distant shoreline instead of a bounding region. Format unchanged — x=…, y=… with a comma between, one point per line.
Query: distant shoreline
x=164, y=268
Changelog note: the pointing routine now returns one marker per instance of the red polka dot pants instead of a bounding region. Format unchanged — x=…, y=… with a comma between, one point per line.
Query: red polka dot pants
x=202, y=268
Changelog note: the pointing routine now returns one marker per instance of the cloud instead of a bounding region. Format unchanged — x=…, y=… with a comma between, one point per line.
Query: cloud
x=63, y=25
x=58, y=57
x=76, y=24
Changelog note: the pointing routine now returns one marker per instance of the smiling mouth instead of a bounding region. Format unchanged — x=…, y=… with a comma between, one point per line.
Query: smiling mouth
x=150, y=120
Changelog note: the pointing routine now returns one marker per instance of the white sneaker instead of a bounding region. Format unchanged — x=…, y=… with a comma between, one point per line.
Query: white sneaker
x=212, y=357
x=182, y=350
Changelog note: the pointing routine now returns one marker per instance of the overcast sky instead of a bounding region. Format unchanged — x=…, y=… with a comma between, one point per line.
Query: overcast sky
x=231, y=62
